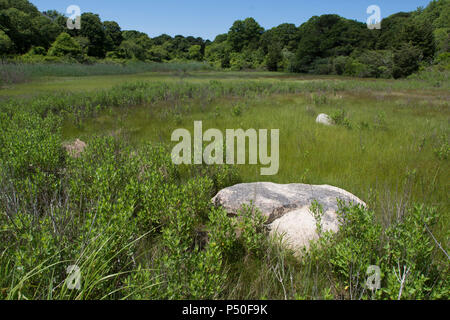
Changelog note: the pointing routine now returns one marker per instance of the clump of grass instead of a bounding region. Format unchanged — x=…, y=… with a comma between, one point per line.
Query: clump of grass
x=319, y=98
x=340, y=118
x=237, y=110
x=442, y=150
x=12, y=74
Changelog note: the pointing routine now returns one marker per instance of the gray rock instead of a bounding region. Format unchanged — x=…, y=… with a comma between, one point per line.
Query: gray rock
x=324, y=119
x=287, y=207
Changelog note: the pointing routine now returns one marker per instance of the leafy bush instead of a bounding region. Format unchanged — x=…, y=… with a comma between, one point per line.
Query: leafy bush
x=405, y=252
x=442, y=150
x=64, y=45
x=104, y=211
x=31, y=156
x=251, y=225
x=237, y=110
x=340, y=118
x=355, y=68
x=406, y=60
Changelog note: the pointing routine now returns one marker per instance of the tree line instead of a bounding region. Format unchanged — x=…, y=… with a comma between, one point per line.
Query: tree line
x=327, y=44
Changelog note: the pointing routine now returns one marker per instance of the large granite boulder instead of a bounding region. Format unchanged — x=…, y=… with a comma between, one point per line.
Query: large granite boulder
x=287, y=207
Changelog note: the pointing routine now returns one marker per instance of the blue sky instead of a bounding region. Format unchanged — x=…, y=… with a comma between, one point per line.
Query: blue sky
x=208, y=18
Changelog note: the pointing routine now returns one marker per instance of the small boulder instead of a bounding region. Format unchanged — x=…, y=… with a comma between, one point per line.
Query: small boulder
x=76, y=148
x=324, y=119
x=287, y=207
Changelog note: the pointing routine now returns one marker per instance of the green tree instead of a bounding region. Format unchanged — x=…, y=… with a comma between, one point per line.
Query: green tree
x=84, y=43
x=22, y=5
x=420, y=36
x=129, y=49
x=114, y=35
x=160, y=40
x=221, y=38
x=45, y=31
x=65, y=46
x=158, y=54
x=25, y=25
x=17, y=25
x=5, y=44
x=442, y=37
x=92, y=28
x=195, y=53
x=407, y=59
x=286, y=34
x=57, y=18
x=132, y=34
x=245, y=34
x=391, y=29
x=381, y=62
x=437, y=13
x=329, y=36
x=274, y=57
x=137, y=44
x=218, y=53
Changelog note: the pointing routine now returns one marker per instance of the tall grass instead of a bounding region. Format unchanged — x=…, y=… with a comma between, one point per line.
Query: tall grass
x=11, y=73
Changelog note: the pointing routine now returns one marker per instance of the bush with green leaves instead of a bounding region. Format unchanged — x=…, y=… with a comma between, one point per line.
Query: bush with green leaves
x=406, y=253
x=5, y=43
x=406, y=60
x=251, y=226
x=65, y=45
x=110, y=211
x=340, y=118
x=409, y=260
x=442, y=149
x=31, y=158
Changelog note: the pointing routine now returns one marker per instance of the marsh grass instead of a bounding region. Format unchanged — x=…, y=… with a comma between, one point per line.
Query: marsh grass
x=12, y=73
x=380, y=155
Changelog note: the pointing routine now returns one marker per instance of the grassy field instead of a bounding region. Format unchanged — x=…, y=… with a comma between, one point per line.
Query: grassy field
x=389, y=147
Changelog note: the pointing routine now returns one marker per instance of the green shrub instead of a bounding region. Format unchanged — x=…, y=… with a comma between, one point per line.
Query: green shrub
x=5, y=44
x=65, y=45
x=340, y=64
x=100, y=211
x=355, y=68
x=340, y=118
x=442, y=150
x=31, y=156
x=237, y=110
x=406, y=248
x=251, y=225
x=406, y=60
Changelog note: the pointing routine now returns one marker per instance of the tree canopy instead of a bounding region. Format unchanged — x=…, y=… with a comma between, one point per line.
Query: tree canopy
x=322, y=45
x=65, y=45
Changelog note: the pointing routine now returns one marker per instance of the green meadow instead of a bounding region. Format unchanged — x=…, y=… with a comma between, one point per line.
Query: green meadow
x=389, y=147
